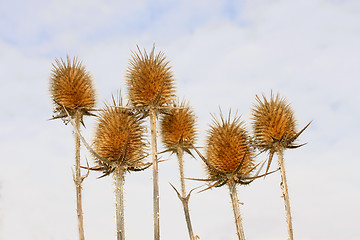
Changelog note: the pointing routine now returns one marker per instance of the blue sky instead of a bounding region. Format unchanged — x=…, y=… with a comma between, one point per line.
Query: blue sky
x=223, y=53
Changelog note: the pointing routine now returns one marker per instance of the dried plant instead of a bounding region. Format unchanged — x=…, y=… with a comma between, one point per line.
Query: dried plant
x=150, y=85
x=72, y=92
x=274, y=127
x=229, y=159
x=71, y=87
x=179, y=133
x=150, y=80
x=120, y=143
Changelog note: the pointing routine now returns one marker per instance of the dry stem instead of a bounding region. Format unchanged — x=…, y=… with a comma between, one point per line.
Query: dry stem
x=77, y=177
x=156, y=197
x=235, y=205
x=119, y=193
x=285, y=192
x=184, y=199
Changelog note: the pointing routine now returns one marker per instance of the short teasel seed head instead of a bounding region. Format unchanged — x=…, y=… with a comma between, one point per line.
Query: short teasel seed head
x=120, y=137
x=228, y=148
x=150, y=80
x=178, y=128
x=273, y=123
x=71, y=86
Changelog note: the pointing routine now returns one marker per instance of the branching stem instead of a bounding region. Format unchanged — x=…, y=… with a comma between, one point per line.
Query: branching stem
x=184, y=199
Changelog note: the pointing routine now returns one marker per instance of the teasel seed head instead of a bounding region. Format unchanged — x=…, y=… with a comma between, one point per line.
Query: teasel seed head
x=273, y=123
x=178, y=128
x=150, y=80
x=228, y=148
x=119, y=138
x=71, y=86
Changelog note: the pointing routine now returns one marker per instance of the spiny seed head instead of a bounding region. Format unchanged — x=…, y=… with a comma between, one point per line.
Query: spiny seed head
x=228, y=146
x=150, y=80
x=71, y=86
x=273, y=123
x=178, y=128
x=120, y=137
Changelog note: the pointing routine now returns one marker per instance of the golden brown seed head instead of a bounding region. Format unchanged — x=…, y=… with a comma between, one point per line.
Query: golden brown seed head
x=150, y=80
x=71, y=86
x=228, y=146
x=273, y=123
x=120, y=137
x=178, y=128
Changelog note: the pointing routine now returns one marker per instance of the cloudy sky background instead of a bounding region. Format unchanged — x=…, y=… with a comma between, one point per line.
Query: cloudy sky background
x=223, y=53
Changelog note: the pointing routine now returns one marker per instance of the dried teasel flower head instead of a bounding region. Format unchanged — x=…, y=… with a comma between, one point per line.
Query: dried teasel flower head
x=178, y=128
x=273, y=123
x=71, y=86
x=228, y=149
x=119, y=138
x=150, y=80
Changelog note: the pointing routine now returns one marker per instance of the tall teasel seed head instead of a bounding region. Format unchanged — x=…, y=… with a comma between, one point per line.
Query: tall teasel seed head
x=120, y=137
x=273, y=123
x=150, y=80
x=228, y=147
x=71, y=86
x=178, y=128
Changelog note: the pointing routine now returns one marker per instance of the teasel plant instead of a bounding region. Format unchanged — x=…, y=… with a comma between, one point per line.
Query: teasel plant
x=73, y=95
x=274, y=127
x=179, y=134
x=150, y=85
x=229, y=160
x=120, y=147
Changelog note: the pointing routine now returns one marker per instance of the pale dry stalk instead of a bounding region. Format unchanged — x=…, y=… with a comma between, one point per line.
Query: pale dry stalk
x=184, y=199
x=156, y=196
x=235, y=205
x=77, y=178
x=119, y=195
x=285, y=193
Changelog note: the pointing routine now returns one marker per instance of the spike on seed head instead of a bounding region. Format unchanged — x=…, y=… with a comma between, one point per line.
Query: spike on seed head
x=178, y=128
x=150, y=80
x=273, y=123
x=120, y=136
x=71, y=86
x=228, y=146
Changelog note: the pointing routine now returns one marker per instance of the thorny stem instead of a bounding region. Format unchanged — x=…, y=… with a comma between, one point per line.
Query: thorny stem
x=156, y=197
x=184, y=199
x=119, y=195
x=285, y=193
x=235, y=205
x=77, y=178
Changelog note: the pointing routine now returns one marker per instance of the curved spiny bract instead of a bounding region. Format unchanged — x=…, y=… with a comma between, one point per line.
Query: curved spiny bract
x=120, y=138
x=178, y=128
x=71, y=86
x=150, y=80
x=274, y=123
x=228, y=149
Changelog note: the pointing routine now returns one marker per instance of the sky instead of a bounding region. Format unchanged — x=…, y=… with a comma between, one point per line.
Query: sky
x=223, y=54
